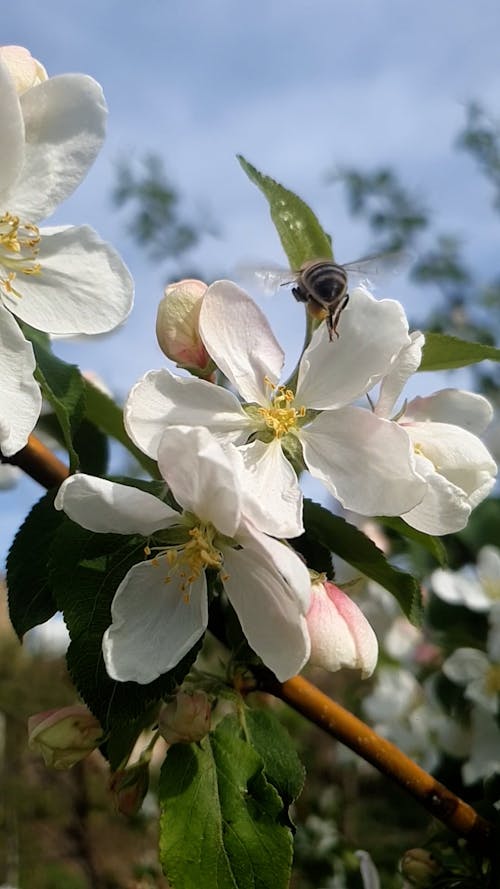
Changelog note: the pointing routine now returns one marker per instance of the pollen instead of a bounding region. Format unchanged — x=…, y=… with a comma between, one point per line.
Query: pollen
x=492, y=679
x=188, y=561
x=281, y=416
x=19, y=248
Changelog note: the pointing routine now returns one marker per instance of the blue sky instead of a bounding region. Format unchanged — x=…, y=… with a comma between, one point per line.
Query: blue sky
x=298, y=89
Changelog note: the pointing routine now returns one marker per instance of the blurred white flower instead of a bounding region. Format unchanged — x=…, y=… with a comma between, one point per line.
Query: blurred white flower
x=366, y=462
x=484, y=756
x=160, y=608
x=443, y=428
x=475, y=586
x=59, y=280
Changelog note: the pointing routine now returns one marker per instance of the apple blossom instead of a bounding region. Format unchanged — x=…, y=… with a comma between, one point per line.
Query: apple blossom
x=129, y=787
x=61, y=280
x=24, y=70
x=443, y=429
x=160, y=608
x=340, y=633
x=365, y=462
x=177, y=327
x=478, y=588
x=65, y=735
x=185, y=718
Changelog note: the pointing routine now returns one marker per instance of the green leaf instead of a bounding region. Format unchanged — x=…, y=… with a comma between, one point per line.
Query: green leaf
x=62, y=386
x=102, y=411
x=31, y=601
x=92, y=447
x=282, y=766
x=433, y=545
x=86, y=570
x=216, y=795
x=299, y=230
x=442, y=352
x=358, y=550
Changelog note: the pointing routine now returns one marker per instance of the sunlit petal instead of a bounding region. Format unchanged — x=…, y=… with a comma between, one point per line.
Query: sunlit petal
x=454, y=406
x=404, y=365
x=274, y=485
x=20, y=396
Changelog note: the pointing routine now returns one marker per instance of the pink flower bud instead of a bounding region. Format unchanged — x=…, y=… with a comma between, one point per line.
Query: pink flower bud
x=186, y=718
x=23, y=68
x=64, y=736
x=419, y=867
x=177, y=327
x=129, y=787
x=340, y=633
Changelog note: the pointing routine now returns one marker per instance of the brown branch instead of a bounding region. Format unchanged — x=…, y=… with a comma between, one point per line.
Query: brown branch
x=38, y=462
x=456, y=814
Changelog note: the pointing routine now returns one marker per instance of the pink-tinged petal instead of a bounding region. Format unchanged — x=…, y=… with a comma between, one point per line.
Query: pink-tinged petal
x=240, y=340
x=108, y=507
x=83, y=287
x=404, y=365
x=444, y=508
x=178, y=328
x=11, y=133
x=20, y=396
x=454, y=406
x=65, y=119
x=155, y=622
x=201, y=476
x=365, y=462
x=270, y=615
x=162, y=399
x=340, y=633
x=24, y=70
x=64, y=736
x=276, y=505
x=371, y=333
x=458, y=455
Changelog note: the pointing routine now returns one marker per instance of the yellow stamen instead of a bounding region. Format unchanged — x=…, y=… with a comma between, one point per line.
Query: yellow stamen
x=492, y=679
x=281, y=417
x=192, y=558
x=19, y=248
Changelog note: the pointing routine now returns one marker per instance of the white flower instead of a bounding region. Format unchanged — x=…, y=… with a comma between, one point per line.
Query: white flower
x=24, y=70
x=478, y=588
x=365, y=462
x=160, y=608
x=479, y=671
x=59, y=280
x=484, y=755
x=443, y=428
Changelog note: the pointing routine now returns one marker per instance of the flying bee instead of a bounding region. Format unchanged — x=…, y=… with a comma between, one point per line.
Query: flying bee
x=323, y=283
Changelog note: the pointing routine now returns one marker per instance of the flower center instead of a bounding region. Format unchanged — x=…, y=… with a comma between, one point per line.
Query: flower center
x=280, y=417
x=491, y=586
x=190, y=559
x=492, y=679
x=19, y=247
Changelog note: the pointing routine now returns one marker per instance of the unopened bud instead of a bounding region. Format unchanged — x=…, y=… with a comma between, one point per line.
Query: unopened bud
x=177, y=327
x=24, y=70
x=419, y=867
x=186, y=718
x=129, y=787
x=340, y=633
x=64, y=736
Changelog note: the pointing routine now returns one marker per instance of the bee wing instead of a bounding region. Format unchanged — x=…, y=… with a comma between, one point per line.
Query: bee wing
x=392, y=263
x=267, y=278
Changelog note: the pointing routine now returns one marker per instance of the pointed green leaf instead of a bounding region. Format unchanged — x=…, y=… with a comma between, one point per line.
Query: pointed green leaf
x=215, y=794
x=30, y=590
x=358, y=550
x=299, y=230
x=282, y=766
x=443, y=352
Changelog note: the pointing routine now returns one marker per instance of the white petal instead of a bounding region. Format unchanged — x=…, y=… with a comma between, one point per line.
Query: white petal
x=271, y=616
x=465, y=665
x=84, y=286
x=444, y=508
x=488, y=569
x=238, y=337
x=103, y=506
x=405, y=364
x=20, y=396
x=162, y=399
x=458, y=455
x=364, y=461
x=201, y=476
x=459, y=588
x=65, y=121
x=273, y=484
x=340, y=633
x=465, y=409
x=11, y=132
x=154, y=622
x=281, y=558
x=371, y=333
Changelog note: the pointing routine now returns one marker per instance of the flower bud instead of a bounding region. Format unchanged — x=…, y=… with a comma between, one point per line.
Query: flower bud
x=129, y=787
x=23, y=68
x=64, y=736
x=419, y=867
x=340, y=633
x=186, y=718
x=177, y=327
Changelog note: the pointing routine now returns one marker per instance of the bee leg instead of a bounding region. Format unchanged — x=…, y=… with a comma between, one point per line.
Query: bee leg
x=300, y=294
x=334, y=317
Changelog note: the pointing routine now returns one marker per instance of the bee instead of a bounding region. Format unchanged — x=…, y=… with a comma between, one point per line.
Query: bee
x=323, y=283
